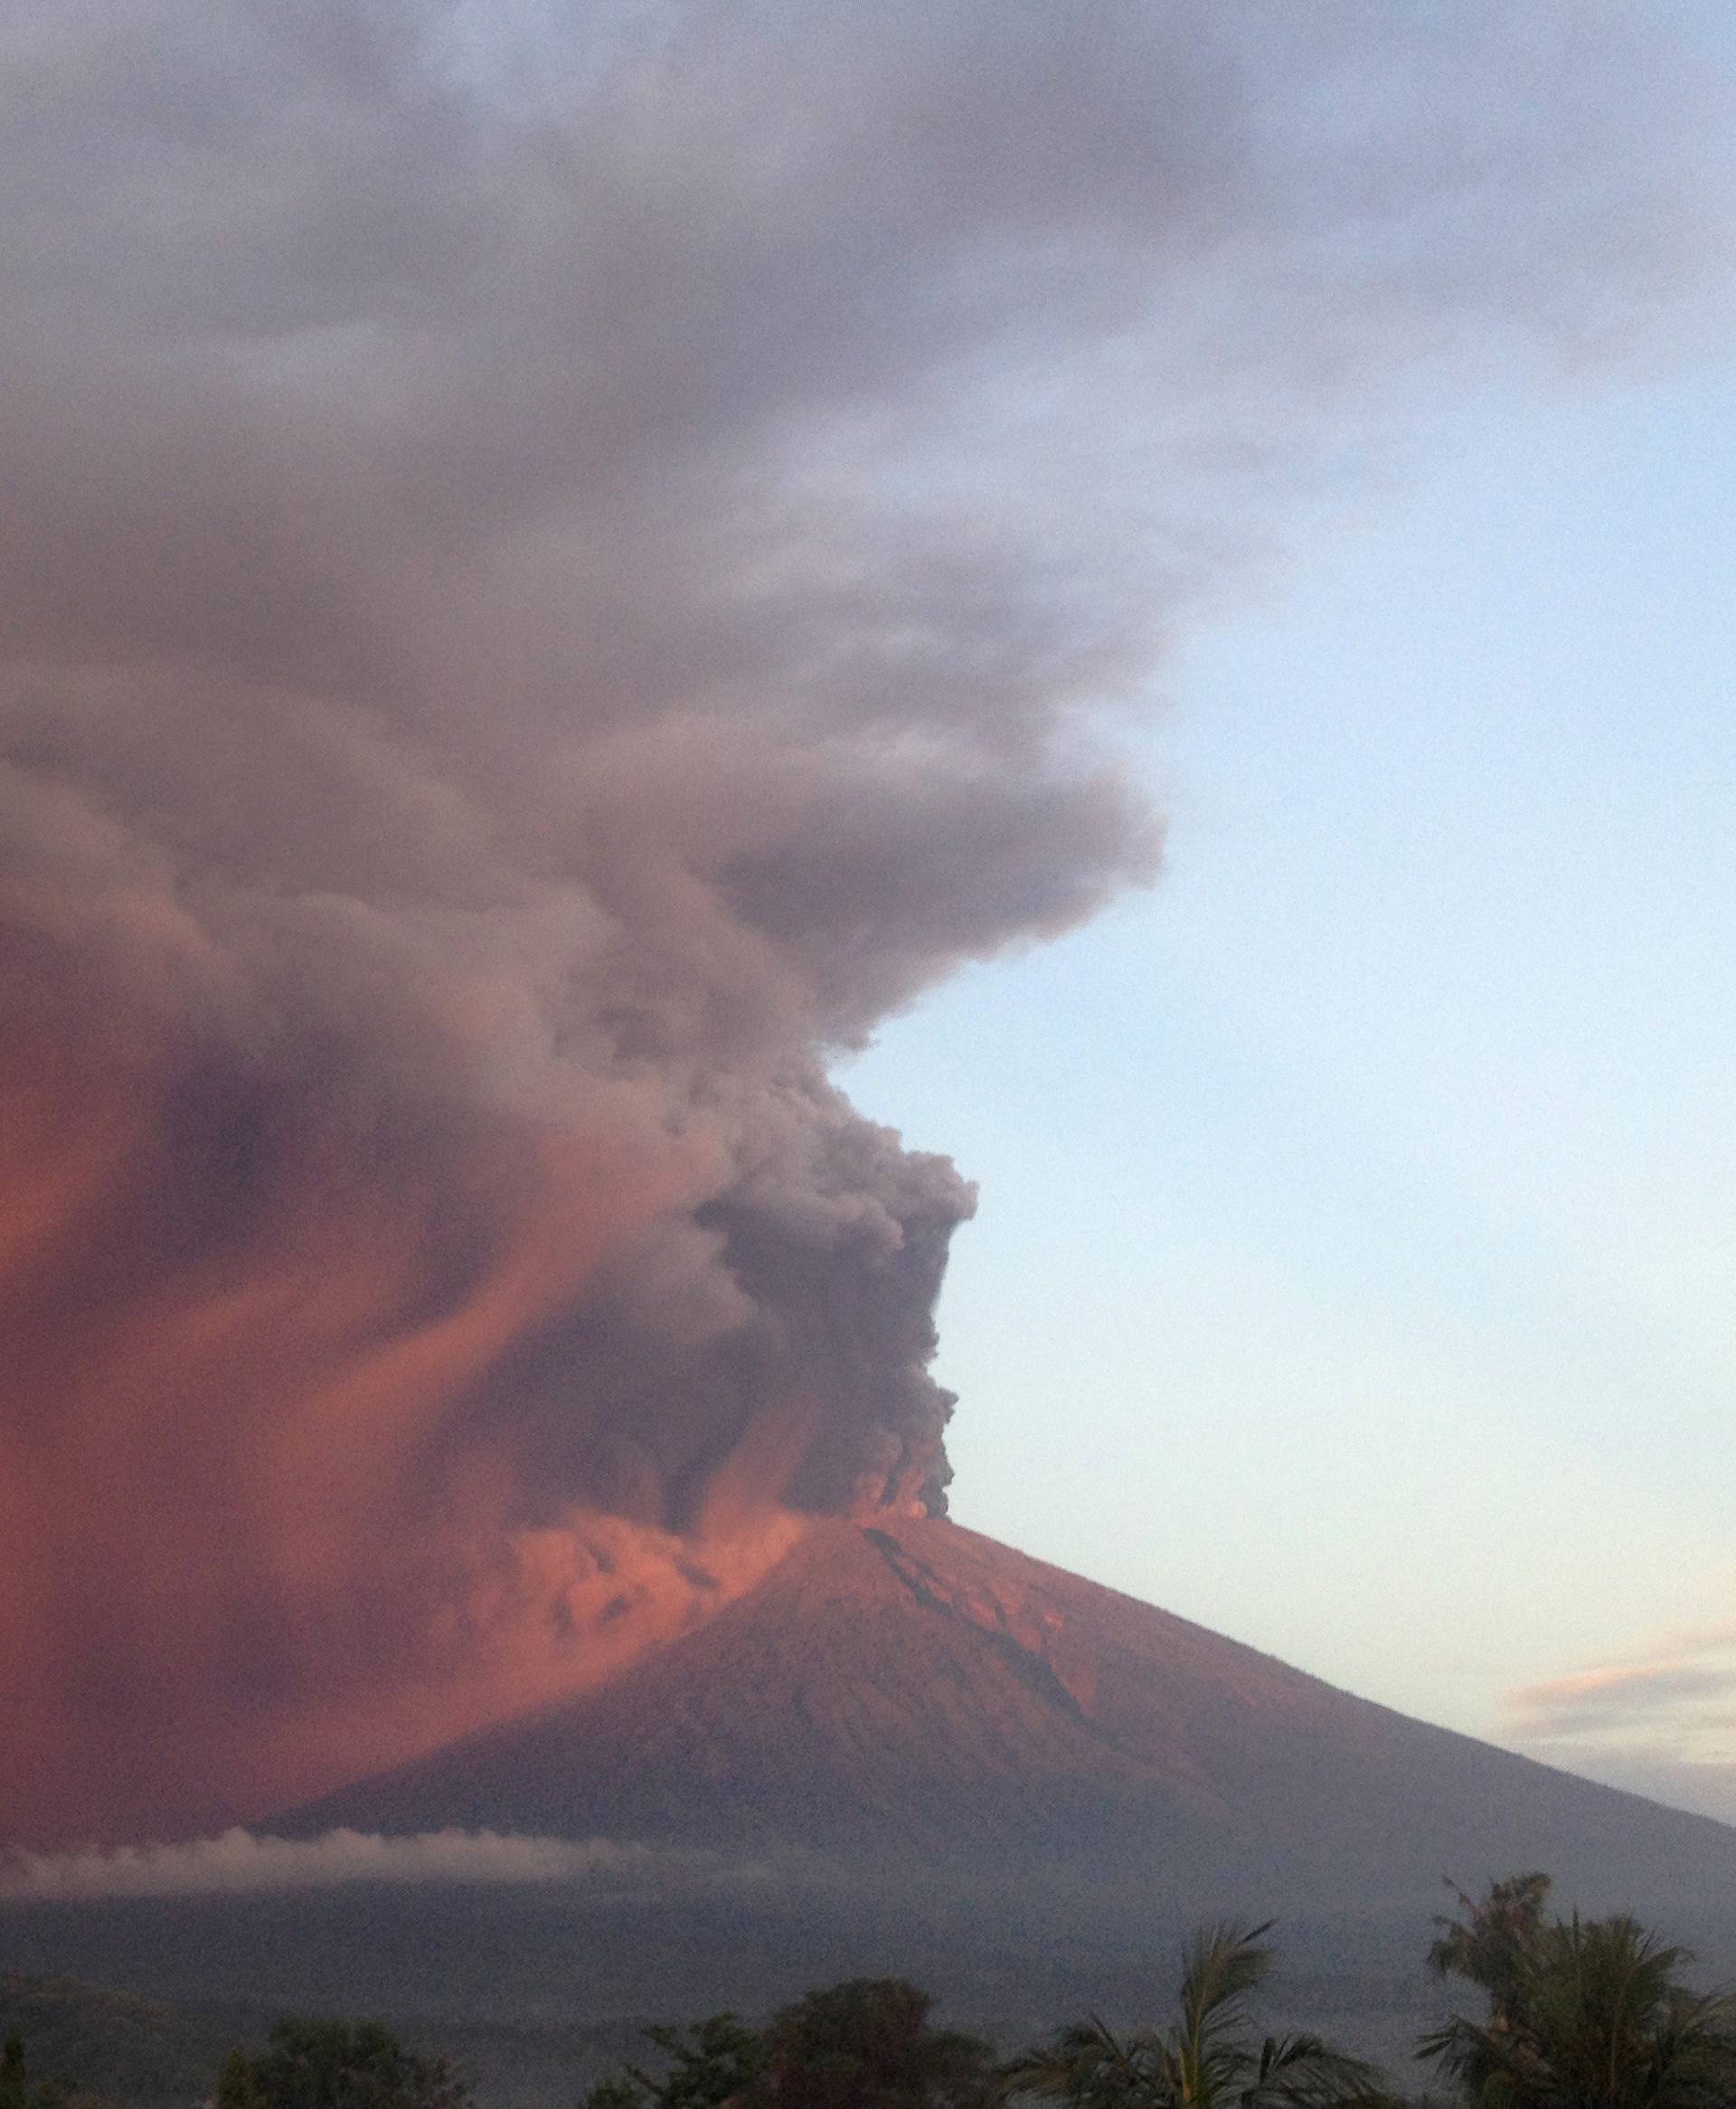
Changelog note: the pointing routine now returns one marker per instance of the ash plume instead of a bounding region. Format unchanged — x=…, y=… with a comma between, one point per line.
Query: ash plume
x=557, y=565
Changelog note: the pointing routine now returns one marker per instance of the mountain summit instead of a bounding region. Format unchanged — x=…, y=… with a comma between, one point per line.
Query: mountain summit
x=915, y=1704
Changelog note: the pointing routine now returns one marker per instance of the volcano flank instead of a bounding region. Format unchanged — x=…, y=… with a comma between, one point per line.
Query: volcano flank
x=908, y=1704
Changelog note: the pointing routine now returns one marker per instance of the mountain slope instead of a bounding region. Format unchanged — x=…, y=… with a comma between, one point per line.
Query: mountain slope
x=925, y=1709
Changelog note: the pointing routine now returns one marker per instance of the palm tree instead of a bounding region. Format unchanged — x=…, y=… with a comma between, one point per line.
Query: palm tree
x=1207, y=2057
x=1584, y=2014
x=1495, y=1945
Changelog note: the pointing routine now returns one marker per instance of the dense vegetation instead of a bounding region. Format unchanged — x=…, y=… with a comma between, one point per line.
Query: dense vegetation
x=1571, y=2014
x=1580, y=2012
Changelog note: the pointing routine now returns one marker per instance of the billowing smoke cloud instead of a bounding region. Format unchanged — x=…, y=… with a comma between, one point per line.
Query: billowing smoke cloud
x=556, y=565
x=241, y=1863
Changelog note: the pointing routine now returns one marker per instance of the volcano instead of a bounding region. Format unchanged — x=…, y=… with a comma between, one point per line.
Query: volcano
x=914, y=1751
x=919, y=1708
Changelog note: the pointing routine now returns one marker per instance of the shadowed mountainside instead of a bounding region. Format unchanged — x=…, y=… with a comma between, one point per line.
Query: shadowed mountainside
x=916, y=1704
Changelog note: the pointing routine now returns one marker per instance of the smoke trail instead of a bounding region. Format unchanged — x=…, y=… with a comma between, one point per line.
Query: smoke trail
x=554, y=568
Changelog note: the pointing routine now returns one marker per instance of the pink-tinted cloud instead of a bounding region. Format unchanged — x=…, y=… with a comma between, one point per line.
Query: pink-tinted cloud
x=1662, y=1722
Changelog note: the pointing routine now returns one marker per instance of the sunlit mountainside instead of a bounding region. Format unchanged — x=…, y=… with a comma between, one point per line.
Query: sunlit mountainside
x=914, y=1751
x=911, y=1704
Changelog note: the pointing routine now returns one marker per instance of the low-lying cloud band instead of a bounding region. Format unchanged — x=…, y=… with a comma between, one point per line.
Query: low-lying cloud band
x=244, y=1863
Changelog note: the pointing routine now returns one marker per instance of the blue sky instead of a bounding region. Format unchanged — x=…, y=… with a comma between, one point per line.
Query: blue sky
x=1353, y=1271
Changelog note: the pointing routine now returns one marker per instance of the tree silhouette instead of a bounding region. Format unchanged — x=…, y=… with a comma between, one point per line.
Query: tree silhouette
x=236, y=2086
x=710, y=2062
x=1495, y=1943
x=1583, y=2014
x=867, y=2044
x=1207, y=2057
x=324, y=2064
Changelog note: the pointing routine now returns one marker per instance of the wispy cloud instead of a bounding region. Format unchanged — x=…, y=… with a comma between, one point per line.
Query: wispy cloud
x=1661, y=1720
x=242, y=1862
x=1619, y=1699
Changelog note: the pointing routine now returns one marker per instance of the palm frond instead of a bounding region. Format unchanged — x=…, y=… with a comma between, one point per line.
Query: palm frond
x=1309, y=2072
x=1083, y=2062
